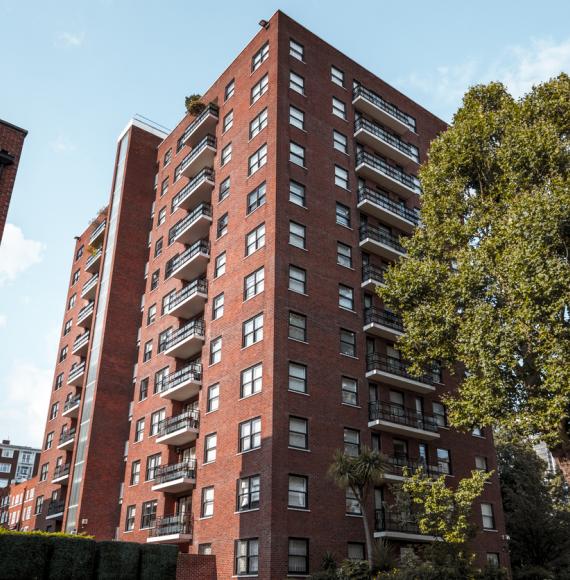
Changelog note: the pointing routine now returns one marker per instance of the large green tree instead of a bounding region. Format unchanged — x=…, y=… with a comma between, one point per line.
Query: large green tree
x=487, y=278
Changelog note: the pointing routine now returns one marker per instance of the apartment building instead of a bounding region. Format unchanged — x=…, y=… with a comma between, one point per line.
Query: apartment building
x=247, y=310
x=17, y=463
x=17, y=506
x=11, y=143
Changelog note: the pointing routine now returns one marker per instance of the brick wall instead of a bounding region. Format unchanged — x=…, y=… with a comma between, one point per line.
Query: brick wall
x=196, y=567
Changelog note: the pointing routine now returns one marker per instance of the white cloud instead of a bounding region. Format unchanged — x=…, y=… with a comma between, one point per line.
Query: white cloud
x=62, y=145
x=71, y=38
x=17, y=253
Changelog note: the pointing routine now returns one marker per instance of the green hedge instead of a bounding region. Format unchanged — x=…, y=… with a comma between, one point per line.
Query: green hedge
x=117, y=560
x=158, y=562
x=71, y=559
x=23, y=557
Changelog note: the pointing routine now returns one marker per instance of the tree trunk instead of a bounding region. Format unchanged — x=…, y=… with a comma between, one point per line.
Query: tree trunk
x=367, y=534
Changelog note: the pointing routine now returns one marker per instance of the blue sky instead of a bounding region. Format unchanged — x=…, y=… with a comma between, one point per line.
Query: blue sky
x=76, y=71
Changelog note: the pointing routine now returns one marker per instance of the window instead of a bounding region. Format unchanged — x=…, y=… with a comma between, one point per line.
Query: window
x=71, y=302
x=248, y=493
x=298, y=433
x=251, y=380
x=247, y=557
x=205, y=549
x=297, y=279
x=139, y=430
x=258, y=159
x=207, y=502
x=296, y=82
x=161, y=379
x=228, y=121
x=143, y=389
x=39, y=504
x=351, y=442
x=148, y=516
x=158, y=247
x=49, y=440
x=44, y=471
x=210, y=447
x=58, y=382
x=130, y=518
x=259, y=57
x=340, y=177
x=155, y=276
x=216, y=350
x=355, y=551
x=63, y=354
x=297, y=193
x=167, y=157
x=349, y=391
x=345, y=297
x=75, y=277
x=259, y=89
x=254, y=284
x=493, y=560
x=147, y=354
x=298, y=561
x=220, y=265
x=177, y=172
x=152, y=464
x=439, y=414
x=337, y=76
x=255, y=240
x=257, y=124
x=296, y=50
x=222, y=226
x=79, y=253
x=256, y=198
x=296, y=117
x=156, y=419
x=298, y=492
x=250, y=435
x=444, y=461
x=297, y=235
x=151, y=314
x=296, y=154
x=229, y=90
x=340, y=142
x=224, y=189
x=298, y=326
x=54, y=410
x=252, y=330
x=338, y=108
x=342, y=215
x=352, y=504
x=213, y=398
x=481, y=463
x=164, y=187
x=347, y=342
x=297, y=377
x=218, y=306
x=477, y=432
x=179, y=145
x=226, y=154
x=488, y=516
x=161, y=217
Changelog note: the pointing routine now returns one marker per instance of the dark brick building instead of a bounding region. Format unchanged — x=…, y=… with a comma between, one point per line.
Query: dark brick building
x=17, y=463
x=241, y=276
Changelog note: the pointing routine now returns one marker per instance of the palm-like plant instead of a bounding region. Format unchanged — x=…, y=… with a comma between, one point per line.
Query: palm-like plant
x=360, y=474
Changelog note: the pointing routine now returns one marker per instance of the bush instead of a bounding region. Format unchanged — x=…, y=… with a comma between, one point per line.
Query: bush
x=158, y=562
x=23, y=556
x=71, y=558
x=194, y=105
x=4, y=531
x=354, y=570
x=117, y=560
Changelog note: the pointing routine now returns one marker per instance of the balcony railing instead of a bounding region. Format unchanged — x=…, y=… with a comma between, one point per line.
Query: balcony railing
x=194, y=327
x=91, y=283
x=192, y=372
x=61, y=470
x=382, y=166
x=394, y=366
x=382, y=200
x=80, y=341
x=204, y=209
x=382, y=411
x=206, y=174
x=201, y=246
x=67, y=436
x=207, y=141
x=378, y=101
x=378, y=235
x=210, y=109
x=76, y=370
x=56, y=507
x=187, y=420
x=370, y=272
x=72, y=402
x=93, y=258
x=399, y=462
x=200, y=285
x=97, y=231
x=387, y=137
x=85, y=311
x=384, y=318
x=179, y=524
x=394, y=521
x=166, y=473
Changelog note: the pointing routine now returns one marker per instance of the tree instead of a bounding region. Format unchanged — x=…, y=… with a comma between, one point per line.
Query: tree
x=486, y=285
x=360, y=474
x=194, y=105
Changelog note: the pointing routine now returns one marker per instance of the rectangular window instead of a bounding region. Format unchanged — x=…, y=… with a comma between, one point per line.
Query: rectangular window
x=226, y=154
x=222, y=225
x=154, y=279
x=342, y=215
x=71, y=302
x=341, y=177
x=207, y=502
x=130, y=518
x=44, y=471
x=247, y=557
x=210, y=447
x=161, y=217
x=296, y=154
x=257, y=160
x=220, y=265
x=343, y=255
x=254, y=284
x=75, y=277
x=79, y=253
x=296, y=117
x=444, y=461
x=139, y=430
x=296, y=50
x=164, y=187
x=218, y=306
x=337, y=76
x=156, y=419
x=248, y=489
x=298, y=433
x=148, y=516
x=298, y=561
x=297, y=235
x=296, y=82
x=228, y=121
x=163, y=339
x=439, y=414
x=340, y=142
x=352, y=504
x=63, y=354
x=49, y=440
x=349, y=391
x=255, y=240
x=345, y=297
x=224, y=189
x=250, y=435
x=54, y=410
x=167, y=157
x=158, y=247
x=481, y=463
x=161, y=379
x=338, y=108
x=258, y=124
x=493, y=560
x=229, y=90
x=216, y=350
x=213, y=398
x=152, y=464
x=151, y=315
x=143, y=389
x=297, y=193
x=256, y=198
x=297, y=279
x=298, y=496
x=135, y=472
x=297, y=377
x=251, y=380
x=259, y=89
x=252, y=330
x=488, y=516
x=298, y=326
x=352, y=442
x=347, y=342
x=58, y=382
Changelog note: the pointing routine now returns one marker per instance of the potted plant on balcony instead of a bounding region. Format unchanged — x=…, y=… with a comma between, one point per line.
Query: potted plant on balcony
x=194, y=105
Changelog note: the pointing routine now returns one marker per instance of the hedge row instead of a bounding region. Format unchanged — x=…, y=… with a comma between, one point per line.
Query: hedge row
x=35, y=557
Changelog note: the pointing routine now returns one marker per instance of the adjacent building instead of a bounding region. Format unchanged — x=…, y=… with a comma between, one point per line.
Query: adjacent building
x=222, y=335
x=17, y=463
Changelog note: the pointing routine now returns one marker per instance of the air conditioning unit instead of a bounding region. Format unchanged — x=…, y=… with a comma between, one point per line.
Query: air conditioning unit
x=84, y=521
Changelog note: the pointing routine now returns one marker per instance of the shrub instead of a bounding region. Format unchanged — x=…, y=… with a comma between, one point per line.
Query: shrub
x=117, y=560
x=158, y=562
x=23, y=556
x=194, y=105
x=71, y=558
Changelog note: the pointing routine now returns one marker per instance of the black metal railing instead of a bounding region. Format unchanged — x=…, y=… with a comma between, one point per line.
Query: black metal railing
x=172, y=525
x=384, y=318
x=192, y=372
x=67, y=436
x=56, y=507
x=203, y=175
x=382, y=237
x=76, y=370
x=384, y=135
x=90, y=283
x=387, y=520
x=72, y=402
x=186, y=420
x=198, y=285
x=378, y=101
x=394, y=366
x=166, y=473
x=376, y=273
x=207, y=141
x=194, y=327
x=399, y=462
x=85, y=311
x=203, y=209
x=201, y=246
x=93, y=258
x=97, y=231
x=383, y=411
x=61, y=470
x=210, y=109
x=382, y=200
x=81, y=340
x=379, y=164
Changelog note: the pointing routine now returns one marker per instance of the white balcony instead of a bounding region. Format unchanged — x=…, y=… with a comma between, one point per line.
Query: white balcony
x=176, y=529
x=380, y=206
x=202, y=125
x=183, y=384
x=194, y=226
x=372, y=276
x=94, y=261
x=89, y=290
x=191, y=263
x=85, y=315
x=201, y=157
x=189, y=301
x=393, y=371
x=67, y=440
x=381, y=243
x=393, y=525
x=384, y=416
x=383, y=324
x=179, y=430
x=197, y=190
x=178, y=478
x=81, y=344
x=61, y=474
x=76, y=375
x=97, y=235
x=187, y=341
x=71, y=407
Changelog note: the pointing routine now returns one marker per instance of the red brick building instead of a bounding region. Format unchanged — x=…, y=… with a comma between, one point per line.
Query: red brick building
x=242, y=292
x=11, y=143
